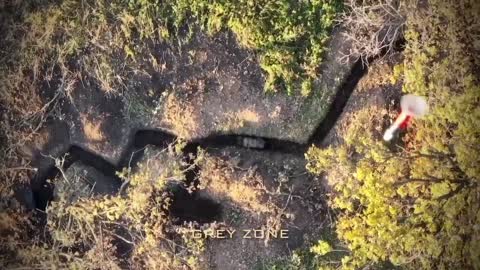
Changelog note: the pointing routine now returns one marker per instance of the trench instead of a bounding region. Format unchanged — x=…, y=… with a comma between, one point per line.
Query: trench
x=186, y=206
x=338, y=104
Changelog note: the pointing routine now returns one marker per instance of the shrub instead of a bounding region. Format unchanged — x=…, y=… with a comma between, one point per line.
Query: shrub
x=416, y=207
x=373, y=27
x=289, y=36
x=93, y=232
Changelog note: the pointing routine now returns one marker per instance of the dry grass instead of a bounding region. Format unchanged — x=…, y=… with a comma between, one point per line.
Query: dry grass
x=379, y=75
x=373, y=26
x=180, y=115
x=22, y=115
x=138, y=219
x=366, y=120
x=248, y=115
x=239, y=119
x=92, y=129
x=242, y=188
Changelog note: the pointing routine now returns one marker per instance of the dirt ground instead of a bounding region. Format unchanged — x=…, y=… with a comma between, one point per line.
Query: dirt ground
x=257, y=192
x=208, y=86
x=261, y=191
x=284, y=183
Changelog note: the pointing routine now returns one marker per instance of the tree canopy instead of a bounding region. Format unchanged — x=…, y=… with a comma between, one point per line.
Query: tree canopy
x=417, y=206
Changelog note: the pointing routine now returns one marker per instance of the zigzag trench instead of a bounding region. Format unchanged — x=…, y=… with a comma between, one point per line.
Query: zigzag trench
x=41, y=191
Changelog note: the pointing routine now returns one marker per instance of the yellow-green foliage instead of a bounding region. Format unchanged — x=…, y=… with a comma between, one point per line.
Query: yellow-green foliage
x=85, y=233
x=321, y=255
x=141, y=215
x=418, y=207
x=289, y=36
x=321, y=248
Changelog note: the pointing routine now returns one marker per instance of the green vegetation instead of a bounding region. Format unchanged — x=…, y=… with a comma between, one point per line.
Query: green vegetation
x=411, y=205
x=321, y=255
x=92, y=232
x=289, y=37
x=50, y=47
x=416, y=207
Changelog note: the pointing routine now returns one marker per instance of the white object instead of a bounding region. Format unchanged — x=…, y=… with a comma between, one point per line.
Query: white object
x=411, y=105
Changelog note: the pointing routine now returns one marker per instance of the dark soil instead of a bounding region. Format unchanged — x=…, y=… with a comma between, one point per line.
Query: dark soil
x=218, y=80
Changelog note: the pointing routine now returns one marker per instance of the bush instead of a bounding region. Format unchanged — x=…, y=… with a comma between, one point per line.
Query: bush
x=417, y=207
x=373, y=27
x=289, y=36
x=130, y=230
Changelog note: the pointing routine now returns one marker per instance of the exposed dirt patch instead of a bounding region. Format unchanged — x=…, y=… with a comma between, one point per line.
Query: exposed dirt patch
x=260, y=191
x=234, y=187
x=180, y=116
x=92, y=130
x=239, y=119
x=209, y=85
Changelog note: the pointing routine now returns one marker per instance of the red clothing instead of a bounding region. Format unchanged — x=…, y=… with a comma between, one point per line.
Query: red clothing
x=404, y=124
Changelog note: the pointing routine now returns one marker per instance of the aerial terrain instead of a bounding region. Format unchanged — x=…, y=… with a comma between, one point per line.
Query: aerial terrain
x=239, y=134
